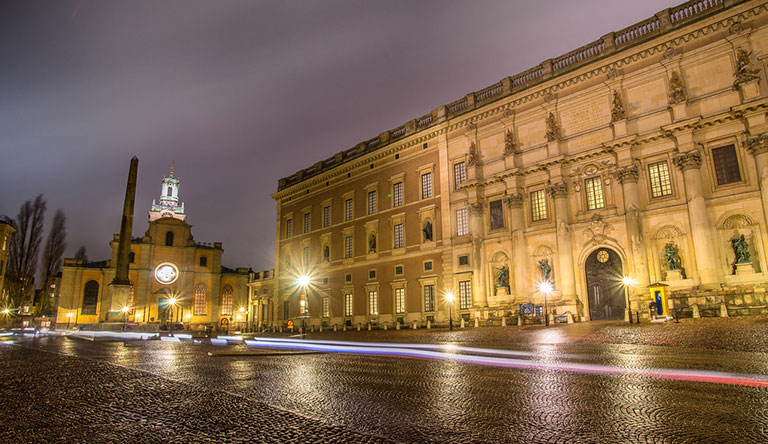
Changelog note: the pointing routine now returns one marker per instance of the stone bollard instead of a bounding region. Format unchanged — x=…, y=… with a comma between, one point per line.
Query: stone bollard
x=414, y=325
x=281, y=329
x=358, y=326
x=696, y=313
x=462, y=322
x=344, y=328
x=369, y=326
x=570, y=318
x=321, y=328
x=477, y=322
x=397, y=326
x=429, y=324
x=335, y=327
x=312, y=328
x=504, y=321
x=723, y=310
x=385, y=326
x=520, y=321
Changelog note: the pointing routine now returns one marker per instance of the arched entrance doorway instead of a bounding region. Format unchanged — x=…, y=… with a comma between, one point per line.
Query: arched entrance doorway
x=604, y=287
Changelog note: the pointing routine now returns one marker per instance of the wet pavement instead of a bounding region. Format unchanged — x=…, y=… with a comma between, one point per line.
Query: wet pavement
x=72, y=390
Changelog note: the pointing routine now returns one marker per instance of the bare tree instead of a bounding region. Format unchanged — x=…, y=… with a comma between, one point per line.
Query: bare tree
x=24, y=251
x=54, y=249
x=81, y=255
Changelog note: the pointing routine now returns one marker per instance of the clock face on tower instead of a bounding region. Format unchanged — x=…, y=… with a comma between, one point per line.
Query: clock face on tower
x=166, y=273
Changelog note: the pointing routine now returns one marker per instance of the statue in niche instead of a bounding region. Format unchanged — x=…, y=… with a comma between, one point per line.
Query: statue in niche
x=509, y=143
x=372, y=243
x=677, y=91
x=427, y=230
x=618, y=112
x=546, y=270
x=672, y=257
x=744, y=71
x=326, y=253
x=473, y=158
x=502, y=277
x=553, y=129
x=740, y=250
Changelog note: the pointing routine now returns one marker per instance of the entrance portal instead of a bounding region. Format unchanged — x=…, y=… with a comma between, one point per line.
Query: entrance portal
x=604, y=287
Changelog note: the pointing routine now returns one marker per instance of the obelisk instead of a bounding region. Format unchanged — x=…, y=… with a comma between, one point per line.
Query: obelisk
x=121, y=285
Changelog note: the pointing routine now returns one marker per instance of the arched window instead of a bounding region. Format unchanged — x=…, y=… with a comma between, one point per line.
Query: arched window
x=169, y=239
x=226, y=301
x=170, y=191
x=90, y=297
x=200, y=306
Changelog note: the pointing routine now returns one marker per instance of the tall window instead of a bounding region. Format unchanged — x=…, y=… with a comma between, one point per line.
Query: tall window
x=497, y=215
x=660, y=182
x=399, y=300
x=289, y=228
x=306, y=256
x=348, y=304
x=465, y=295
x=199, y=307
x=726, y=165
x=429, y=298
x=426, y=185
x=347, y=247
x=348, y=209
x=286, y=309
x=170, y=191
x=326, y=307
x=397, y=194
x=307, y=222
x=327, y=216
x=594, y=191
x=226, y=301
x=538, y=205
x=373, y=302
x=399, y=236
x=169, y=239
x=459, y=174
x=371, y=202
x=462, y=225
x=90, y=298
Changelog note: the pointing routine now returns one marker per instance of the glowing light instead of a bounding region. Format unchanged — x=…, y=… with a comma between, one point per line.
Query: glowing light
x=69, y=315
x=125, y=309
x=239, y=317
x=545, y=287
x=189, y=315
x=303, y=280
x=172, y=301
x=6, y=311
x=449, y=297
x=242, y=309
x=627, y=281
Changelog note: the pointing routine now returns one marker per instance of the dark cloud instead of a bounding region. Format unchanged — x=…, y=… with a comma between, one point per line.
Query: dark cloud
x=240, y=93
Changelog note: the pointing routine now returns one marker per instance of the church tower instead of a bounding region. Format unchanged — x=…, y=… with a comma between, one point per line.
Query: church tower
x=169, y=205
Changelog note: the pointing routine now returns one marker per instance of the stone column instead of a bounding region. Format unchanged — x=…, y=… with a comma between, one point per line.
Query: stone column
x=628, y=179
x=476, y=232
x=519, y=259
x=567, y=283
x=758, y=147
x=704, y=251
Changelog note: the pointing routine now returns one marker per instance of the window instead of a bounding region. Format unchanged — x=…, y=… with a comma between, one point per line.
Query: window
x=203, y=261
x=264, y=291
x=428, y=266
x=326, y=307
x=169, y=239
x=538, y=205
x=429, y=298
x=373, y=302
x=325, y=281
x=462, y=225
x=399, y=236
x=497, y=215
x=226, y=301
x=726, y=165
x=426, y=185
x=348, y=277
x=303, y=305
x=348, y=304
x=348, y=209
x=199, y=307
x=306, y=256
x=660, y=182
x=90, y=298
x=170, y=191
x=397, y=194
x=371, y=274
x=327, y=216
x=289, y=228
x=371, y=202
x=286, y=309
x=307, y=221
x=465, y=295
x=464, y=260
x=131, y=258
x=348, y=247
x=594, y=191
x=399, y=300
x=398, y=270
x=459, y=174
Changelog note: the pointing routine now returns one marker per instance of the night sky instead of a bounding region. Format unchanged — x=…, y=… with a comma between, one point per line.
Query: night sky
x=237, y=94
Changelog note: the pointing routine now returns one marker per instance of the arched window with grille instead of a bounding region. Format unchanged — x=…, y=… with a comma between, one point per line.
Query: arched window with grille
x=90, y=297
x=169, y=239
x=200, y=306
x=226, y=300
x=170, y=191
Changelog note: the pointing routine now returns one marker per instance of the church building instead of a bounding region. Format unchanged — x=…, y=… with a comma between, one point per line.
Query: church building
x=166, y=265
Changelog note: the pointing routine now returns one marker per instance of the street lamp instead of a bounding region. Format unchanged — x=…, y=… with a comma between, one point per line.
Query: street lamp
x=171, y=301
x=449, y=299
x=7, y=315
x=545, y=288
x=303, y=282
x=627, y=282
x=69, y=318
x=125, y=315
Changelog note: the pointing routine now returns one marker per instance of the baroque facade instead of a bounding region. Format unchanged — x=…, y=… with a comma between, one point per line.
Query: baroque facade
x=165, y=263
x=642, y=155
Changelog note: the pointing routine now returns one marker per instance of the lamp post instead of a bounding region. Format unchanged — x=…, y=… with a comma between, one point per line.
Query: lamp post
x=627, y=282
x=240, y=317
x=545, y=288
x=171, y=302
x=449, y=298
x=69, y=318
x=7, y=316
x=125, y=315
x=303, y=282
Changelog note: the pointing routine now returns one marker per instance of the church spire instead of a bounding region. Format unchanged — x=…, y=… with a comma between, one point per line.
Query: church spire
x=169, y=205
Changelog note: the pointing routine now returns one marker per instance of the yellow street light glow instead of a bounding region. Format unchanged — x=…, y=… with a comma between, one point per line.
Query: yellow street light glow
x=303, y=280
x=242, y=309
x=125, y=309
x=189, y=315
x=545, y=287
x=239, y=317
x=449, y=297
x=172, y=301
x=627, y=281
x=6, y=311
x=69, y=315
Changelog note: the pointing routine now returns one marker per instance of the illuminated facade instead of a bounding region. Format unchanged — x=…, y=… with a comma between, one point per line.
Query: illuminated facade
x=643, y=155
x=6, y=231
x=165, y=263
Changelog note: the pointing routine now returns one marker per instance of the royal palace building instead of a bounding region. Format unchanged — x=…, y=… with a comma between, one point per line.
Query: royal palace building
x=640, y=158
x=166, y=264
